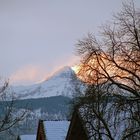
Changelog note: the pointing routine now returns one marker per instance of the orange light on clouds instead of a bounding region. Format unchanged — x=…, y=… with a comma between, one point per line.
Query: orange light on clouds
x=31, y=74
x=27, y=74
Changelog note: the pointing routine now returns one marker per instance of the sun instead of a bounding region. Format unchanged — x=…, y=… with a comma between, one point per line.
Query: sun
x=76, y=68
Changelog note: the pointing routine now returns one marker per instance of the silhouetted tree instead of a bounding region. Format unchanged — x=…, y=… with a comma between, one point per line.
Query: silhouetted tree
x=9, y=116
x=114, y=62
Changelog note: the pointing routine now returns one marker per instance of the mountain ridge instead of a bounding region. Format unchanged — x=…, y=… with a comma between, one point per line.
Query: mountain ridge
x=62, y=82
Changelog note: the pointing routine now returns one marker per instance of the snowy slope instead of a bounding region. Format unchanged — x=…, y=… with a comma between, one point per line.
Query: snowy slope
x=56, y=130
x=63, y=82
x=28, y=137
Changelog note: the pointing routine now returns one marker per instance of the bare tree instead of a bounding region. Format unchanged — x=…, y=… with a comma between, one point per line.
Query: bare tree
x=9, y=116
x=114, y=61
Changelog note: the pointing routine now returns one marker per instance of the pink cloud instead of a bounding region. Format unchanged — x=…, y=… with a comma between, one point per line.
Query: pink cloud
x=71, y=61
x=27, y=75
x=31, y=74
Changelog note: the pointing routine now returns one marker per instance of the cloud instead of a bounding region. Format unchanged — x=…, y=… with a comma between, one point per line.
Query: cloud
x=31, y=74
x=68, y=61
x=28, y=75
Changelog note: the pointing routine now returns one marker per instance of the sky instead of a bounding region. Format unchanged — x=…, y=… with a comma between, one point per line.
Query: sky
x=37, y=37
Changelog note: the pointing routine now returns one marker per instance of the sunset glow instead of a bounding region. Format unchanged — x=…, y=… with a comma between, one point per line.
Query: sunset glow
x=76, y=68
x=28, y=74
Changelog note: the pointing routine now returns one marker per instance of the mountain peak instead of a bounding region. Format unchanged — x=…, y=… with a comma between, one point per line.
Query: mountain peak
x=60, y=83
x=65, y=69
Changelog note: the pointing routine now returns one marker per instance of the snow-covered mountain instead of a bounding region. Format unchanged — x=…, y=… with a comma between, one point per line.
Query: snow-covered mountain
x=63, y=82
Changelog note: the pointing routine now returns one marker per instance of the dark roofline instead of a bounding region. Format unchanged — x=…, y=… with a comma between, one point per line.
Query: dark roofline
x=40, y=124
x=76, y=114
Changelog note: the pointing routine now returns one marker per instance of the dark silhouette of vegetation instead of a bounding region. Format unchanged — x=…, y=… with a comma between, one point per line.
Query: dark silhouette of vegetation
x=9, y=116
x=111, y=67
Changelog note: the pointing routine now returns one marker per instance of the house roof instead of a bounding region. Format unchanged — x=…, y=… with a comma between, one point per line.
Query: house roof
x=56, y=130
x=28, y=137
x=76, y=130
